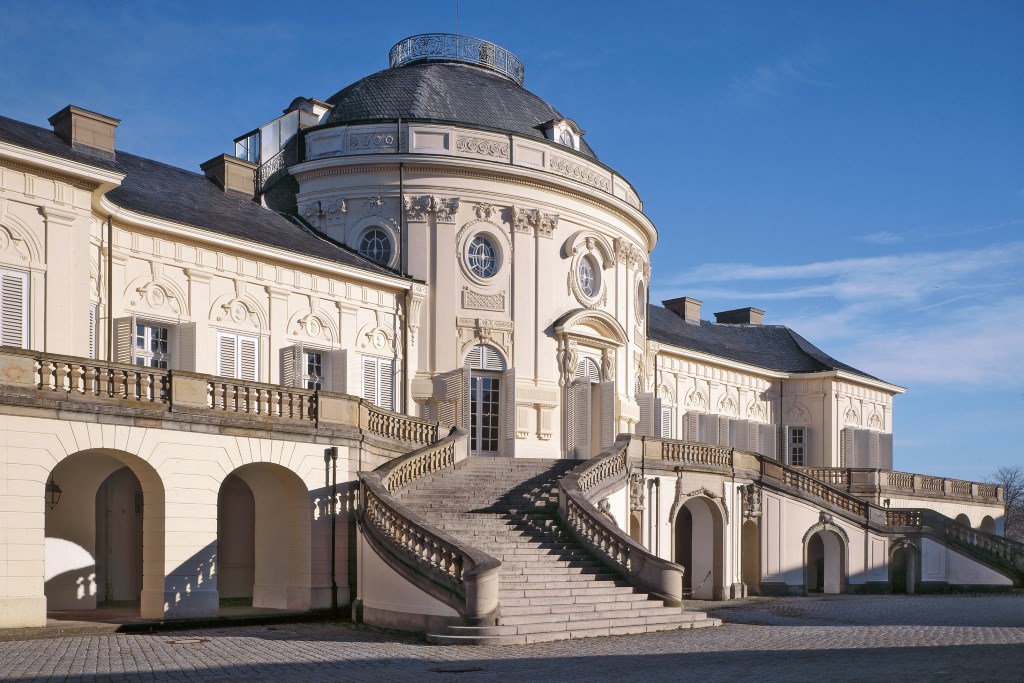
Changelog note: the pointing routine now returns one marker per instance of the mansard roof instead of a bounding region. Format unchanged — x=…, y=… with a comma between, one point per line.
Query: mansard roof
x=171, y=193
x=773, y=347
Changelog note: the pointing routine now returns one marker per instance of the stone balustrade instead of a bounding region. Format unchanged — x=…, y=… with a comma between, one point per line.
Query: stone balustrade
x=457, y=574
x=696, y=453
x=576, y=495
x=84, y=382
x=878, y=484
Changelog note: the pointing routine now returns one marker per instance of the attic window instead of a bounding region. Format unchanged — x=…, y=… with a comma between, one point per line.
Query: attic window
x=566, y=138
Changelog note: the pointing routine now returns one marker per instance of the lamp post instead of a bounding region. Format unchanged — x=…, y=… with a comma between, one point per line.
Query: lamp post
x=331, y=475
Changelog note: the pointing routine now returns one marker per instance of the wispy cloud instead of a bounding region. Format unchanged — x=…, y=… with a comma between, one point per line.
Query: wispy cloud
x=774, y=79
x=924, y=317
x=883, y=237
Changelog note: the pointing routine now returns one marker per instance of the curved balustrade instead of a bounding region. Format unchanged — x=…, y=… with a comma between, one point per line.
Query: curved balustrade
x=696, y=453
x=646, y=571
x=450, y=47
x=874, y=483
x=458, y=575
x=400, y=427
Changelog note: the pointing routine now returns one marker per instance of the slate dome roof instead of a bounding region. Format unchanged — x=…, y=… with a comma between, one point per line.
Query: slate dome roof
x=449, y=92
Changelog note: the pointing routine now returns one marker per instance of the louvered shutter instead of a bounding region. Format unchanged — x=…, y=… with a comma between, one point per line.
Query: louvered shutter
x=185, y=341
x=846, y=449
x=738, y=434
x=386, y=384
x=584, y=423
x=249, y=359
x=342, y=379
x=665, y=428
x=769, y=441
x=691, y=428
x=465, y=394
x=808, y=462
x=885, y=451
x=13, y=309
x=474, y=359
x=571, y=435
x=753, y=436
x=292, y=365
x=124, y=339
x=647, y=424
x=607, y=391
x=508, y=387
x=227, y=355
x=861, y=444
x=723, y=430
x=92, y=331
x=786, y=441
x=370, y=380
x=872, y=438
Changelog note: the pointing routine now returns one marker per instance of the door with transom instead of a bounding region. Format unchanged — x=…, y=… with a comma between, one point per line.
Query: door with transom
x=490, y=384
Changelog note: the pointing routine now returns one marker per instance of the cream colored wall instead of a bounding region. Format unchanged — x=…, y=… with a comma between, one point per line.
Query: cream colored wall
x=952, y=508
x=941, y=564
x=181, y=473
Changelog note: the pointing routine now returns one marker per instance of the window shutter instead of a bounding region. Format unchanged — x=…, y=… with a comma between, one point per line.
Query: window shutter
x=847, y=452
x=607, y=390
x=885, y=451
x=185, y=340
x=248, y=359
x=227, y=355
x=370, y=380
x=769, y=441
x=339, y=368
x=508, y=386
x=465, y=394
x=291, y=365
x=753, y=437
x=386, y=384
x=691, y=428
x=571, y=435
x=92, y=331
x=666, y=423
x=584, y=422
x=872, y=438
x=862, y=454
x=738, y=434
x=723, y=430
x=124, y=339
x=647, y=424
x=14, y=309
x=807, y=448
x=474, y=359
x=786, y=441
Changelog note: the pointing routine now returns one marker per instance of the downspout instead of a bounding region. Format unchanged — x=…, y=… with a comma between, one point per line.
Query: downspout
x=110, y=288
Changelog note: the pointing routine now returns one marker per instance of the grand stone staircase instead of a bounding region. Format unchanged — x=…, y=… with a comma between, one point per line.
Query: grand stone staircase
x=551, y=588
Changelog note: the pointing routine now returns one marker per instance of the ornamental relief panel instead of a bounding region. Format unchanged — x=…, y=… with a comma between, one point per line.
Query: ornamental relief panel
x=498, y=333
x=482, y=302
x=443, y=208
x=583, y=173
x=12, y=247
x=533, y=221
x=482, y=146
x=325, y=211
x=374, y=142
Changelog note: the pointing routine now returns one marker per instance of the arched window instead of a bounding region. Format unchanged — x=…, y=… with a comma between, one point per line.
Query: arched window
x=376, y=246
x=587, y=369
x=485, y=357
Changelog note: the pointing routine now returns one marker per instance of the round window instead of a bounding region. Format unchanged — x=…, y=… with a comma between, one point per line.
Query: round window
x=590, y=285
x=482, y=257
x=376, y=246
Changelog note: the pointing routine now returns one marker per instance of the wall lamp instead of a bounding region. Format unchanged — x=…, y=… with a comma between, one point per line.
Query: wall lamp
x=52, y=493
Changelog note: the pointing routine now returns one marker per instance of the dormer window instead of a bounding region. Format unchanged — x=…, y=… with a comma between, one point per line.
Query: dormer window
x=564, y=132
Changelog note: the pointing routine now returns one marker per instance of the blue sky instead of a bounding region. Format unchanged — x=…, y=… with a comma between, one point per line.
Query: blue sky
x=852, y=168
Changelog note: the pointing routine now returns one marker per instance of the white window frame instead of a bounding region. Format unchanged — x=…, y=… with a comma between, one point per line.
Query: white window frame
x=238, y=340
x=797, y=447
x=149, y=358
x=308, y=379
x=12, y=308
x=378, y=374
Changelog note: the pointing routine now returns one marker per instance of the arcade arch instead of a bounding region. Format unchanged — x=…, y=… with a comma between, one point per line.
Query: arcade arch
x=699, y=547
x=825, y=559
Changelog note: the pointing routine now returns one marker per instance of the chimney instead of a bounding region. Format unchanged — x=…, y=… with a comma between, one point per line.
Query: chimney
x=232, y=174
x=686, y=308
x=741, y=316
x=86, y=131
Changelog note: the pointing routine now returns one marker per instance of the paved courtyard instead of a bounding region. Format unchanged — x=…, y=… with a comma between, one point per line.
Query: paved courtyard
x=845, y=638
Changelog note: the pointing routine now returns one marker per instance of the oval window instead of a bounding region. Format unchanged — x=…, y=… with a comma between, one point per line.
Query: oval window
x=589, y=283
x=482, y=257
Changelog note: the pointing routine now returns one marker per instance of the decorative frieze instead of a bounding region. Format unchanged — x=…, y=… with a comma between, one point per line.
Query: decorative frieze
x=482, y=146
x=485, y=331
x=581, y=172
x=482, y=302
x=374, y=142
x=321, y=211
x=632, y=257
x=484, y=211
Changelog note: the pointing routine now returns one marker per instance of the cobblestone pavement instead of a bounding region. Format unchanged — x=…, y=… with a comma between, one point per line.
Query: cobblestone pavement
x=845, y=638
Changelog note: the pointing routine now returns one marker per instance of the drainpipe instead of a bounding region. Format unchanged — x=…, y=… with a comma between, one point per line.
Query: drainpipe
x=110, y=288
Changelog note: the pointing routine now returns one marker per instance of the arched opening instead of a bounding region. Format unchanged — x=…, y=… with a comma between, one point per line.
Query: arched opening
x=750, y=550
x=263, y=538
x=698, y=548
x=988, y=524
x=824, y=562
x=903, y=568
x=963, y=519
x=105, y=536
x=636, y=528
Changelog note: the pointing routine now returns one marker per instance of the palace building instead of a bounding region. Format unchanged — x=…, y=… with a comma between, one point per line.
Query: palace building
x=396, y=356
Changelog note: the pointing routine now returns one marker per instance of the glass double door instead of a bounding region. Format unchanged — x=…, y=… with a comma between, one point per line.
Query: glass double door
x=484, y=413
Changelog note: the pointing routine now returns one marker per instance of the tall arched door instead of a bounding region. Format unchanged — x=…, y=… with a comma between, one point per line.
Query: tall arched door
x=590, y=411
x=490, y=418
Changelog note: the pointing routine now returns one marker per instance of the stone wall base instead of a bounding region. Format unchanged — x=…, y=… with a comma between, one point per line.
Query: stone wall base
x=22, y=612
x=774, y=590
x=407, y=621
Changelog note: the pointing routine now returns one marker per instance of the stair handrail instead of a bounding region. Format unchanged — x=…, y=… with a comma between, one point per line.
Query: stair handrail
x=601, y=536
x=459, y=575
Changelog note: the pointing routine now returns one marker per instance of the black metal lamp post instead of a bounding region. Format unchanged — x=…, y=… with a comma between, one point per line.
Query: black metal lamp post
x=52, y=493
x=331, y=475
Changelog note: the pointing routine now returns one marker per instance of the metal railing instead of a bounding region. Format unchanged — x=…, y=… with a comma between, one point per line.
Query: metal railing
x=450, y=47
x=276, y=167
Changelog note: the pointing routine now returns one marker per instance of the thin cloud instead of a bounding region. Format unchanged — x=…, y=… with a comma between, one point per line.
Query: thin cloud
x=771, y=80
x=882, y=237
